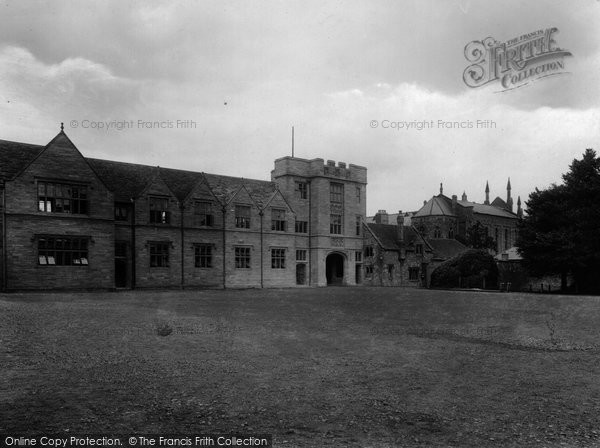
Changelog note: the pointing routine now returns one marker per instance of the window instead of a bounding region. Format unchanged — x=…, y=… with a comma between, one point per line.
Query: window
x=336, y=193
x=242, y=258
x=358, y=191
x=159, y=255
x=358, y=256
x=121, y=212
x=358, y=225
x=335, y=224
x=63, y=251
x=159, y=210
x=301, y=255
x=62, y=198
x=203, y=213
x=301, y=227
x=451, y=232
x=242, y=216
x=278, y=258
x=506, y=239
x=278, y=220
x=390, y=269
x=413, y=273
x=437, y=233
x=203, y=256
x=369, y=270
x=497, y=232
x=302, y=190
x=418, y=249
x=368, y=251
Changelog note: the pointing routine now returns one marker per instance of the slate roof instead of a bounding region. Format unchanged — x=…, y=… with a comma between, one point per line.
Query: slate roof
x=129, y=180
x=499, y=202
x=444, y=248
x=488, y=209
x=15, y=156
x=439, y=205
x=387, y=235
x=225, y=187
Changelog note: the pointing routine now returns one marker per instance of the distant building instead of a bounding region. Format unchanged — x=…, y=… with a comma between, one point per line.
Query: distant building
x=450, y=218
x=398, y=255
x=71, y=222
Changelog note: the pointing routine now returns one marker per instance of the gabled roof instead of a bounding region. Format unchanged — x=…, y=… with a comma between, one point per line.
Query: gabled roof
x=127, y=180
x=488, y=209
x=15, y=156
x=226, y=187
x=180, y=182
x=499, y=202
x=439, y=205
x=387, y=236
x=444, y=248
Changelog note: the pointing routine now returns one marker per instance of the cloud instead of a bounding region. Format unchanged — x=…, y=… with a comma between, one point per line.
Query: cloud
x=245, y=72
x=35, y=92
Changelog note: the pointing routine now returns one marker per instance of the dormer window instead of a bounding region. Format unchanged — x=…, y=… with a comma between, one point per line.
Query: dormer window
x=159, y=210
x=278, y=220
x=204, y=213
x=242, y=216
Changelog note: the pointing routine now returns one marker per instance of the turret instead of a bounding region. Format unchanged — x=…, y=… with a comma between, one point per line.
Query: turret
x=487, y=193
x=509, y=201
x=464, y=196
x=519, y=209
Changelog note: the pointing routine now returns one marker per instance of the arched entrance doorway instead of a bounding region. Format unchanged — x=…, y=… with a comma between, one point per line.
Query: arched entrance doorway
x=334, y=269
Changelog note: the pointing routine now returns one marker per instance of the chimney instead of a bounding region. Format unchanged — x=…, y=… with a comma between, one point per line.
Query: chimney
x=400, y=221
x=454, y=201
x=381, y=217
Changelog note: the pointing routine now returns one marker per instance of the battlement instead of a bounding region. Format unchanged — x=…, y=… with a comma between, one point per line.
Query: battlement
x=294, y=166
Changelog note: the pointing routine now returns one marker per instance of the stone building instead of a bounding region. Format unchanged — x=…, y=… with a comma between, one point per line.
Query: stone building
x=398, y=255
x=71, y=222
x=450, y=218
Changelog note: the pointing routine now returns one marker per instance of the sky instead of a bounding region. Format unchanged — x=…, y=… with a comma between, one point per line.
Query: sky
x=241, y=73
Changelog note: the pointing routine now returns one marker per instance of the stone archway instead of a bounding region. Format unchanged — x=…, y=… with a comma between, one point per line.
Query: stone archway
x=334, y=269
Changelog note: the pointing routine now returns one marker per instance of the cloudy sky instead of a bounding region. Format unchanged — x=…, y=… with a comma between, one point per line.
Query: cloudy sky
x=246, y=71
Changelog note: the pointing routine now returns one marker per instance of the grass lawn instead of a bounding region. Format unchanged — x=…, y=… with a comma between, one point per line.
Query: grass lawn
x=368, y=367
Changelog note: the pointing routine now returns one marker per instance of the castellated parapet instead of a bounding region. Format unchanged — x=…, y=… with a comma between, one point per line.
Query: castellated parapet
x=295, y=166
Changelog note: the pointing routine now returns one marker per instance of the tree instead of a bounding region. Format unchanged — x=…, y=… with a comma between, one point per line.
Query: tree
x=477, y=238
x=471, y=268
x=561, y=232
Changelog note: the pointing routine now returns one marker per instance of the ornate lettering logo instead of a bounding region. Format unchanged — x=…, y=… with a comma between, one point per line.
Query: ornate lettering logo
x=515, y=62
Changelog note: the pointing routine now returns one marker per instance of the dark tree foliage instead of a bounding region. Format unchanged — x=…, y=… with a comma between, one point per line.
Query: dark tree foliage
x=478, y=238
x=561, y=232
x=474, y=268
